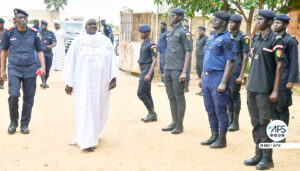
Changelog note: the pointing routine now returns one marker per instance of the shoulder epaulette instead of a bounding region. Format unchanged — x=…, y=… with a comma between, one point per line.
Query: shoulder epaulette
x=11, y=28
x=34, y=29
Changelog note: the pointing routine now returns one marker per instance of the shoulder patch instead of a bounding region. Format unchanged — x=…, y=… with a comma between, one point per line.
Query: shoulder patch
x=33, y=29
x=247, y=39
x=188, y=37
x=11, y=28
x=154, y=48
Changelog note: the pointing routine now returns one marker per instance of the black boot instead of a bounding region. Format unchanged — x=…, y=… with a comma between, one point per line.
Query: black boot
x=220, y=143
x=24, y=130
x=172, y=125
x=212, y=139
x=266, y=162
x=186, y=87
x=256, y=159
x=151, y=115
x=230, y=117
x=179, y=124
x=235, y=123
x=91, y=149
x=12, y=127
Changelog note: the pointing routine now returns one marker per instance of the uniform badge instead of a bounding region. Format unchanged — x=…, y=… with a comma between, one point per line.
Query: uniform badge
x=39, y=36
x=188, y=37
x=11, y=28
x=45, y=41
x=278, y=37
x=107, y=28
x=278, y=53
x=247, y=40
x=154, y=48
x=256, y=57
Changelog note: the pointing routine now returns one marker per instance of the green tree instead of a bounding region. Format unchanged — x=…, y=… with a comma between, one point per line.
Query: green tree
x=245, y=8
x=56, y=5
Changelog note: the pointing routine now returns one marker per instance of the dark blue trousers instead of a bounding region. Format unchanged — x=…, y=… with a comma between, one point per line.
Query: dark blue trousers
x=215, y=102
x=29, y=87
x=48, y=63
x=144, y=89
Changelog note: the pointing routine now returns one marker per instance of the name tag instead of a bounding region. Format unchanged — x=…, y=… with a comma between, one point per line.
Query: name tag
x=13, y=38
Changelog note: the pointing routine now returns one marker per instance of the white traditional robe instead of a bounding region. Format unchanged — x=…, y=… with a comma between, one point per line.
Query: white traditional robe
x=59, y=50
x=89, y=67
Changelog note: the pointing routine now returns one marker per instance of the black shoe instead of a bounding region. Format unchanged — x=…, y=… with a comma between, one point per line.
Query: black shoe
x=178, y=130
x=25, y=130
x=12, y=127
x=230, y=118
x=200, y=93
x=43, y=85
x=220, y=142
x=150, y=118
x=256, y=159
x=266, y=161
x=170, y=127
x=235, y=122
x=212, y=139
x=91, y=149
x=1, y=86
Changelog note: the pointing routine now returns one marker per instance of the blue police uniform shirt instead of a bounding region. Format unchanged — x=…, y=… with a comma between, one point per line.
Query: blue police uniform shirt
x=107, y=31
x=218, y=49
x=47, y=39
x=148, y=50
x=21, y=46
x=162, y=42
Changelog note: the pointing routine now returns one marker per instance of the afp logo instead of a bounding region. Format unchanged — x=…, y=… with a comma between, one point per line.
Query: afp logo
x=277, y=130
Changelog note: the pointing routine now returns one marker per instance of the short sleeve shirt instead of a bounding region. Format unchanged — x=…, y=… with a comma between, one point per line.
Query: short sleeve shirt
x=178, y=43
x=162, y=42
x=21, y=46
x=264, y=53
x=47, y=39
x=148, y=50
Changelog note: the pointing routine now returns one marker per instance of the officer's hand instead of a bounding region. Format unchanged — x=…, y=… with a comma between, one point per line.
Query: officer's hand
x=112, y=84
x=42, y=71
x=200, y=83
x=3, y=76
x=221, y=88
x=239, y=80
x=289, y=85
x=147, y=77
x=273, y=97
x=49, y=47
x=182, y=77
x=69, y=90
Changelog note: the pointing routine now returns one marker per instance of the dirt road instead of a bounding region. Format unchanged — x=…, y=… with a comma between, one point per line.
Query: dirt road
x=126, y=143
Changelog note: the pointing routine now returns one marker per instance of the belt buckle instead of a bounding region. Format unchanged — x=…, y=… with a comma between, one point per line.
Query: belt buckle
x=206, y=73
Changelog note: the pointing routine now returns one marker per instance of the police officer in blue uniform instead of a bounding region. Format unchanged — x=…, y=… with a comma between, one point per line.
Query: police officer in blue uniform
x=265, y=74
x=291, y=69
x=188, y=74
x=177, y=61
x=161, y=47
x=108, y=31
x=147, y=62
x=240, y=64
x=219, y=55
x=21, y=42
x=1, y=34
x=49, y=42
x=201, y=41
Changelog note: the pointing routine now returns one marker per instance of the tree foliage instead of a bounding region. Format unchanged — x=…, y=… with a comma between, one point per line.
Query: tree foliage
x=56, y=5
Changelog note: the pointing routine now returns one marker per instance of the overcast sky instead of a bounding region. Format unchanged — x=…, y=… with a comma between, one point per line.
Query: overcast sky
x=108, y=9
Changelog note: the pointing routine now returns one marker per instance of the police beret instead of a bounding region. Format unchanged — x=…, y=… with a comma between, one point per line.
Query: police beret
x=178, y=11
x=235, y=18
x=164, y=23
x=224, y=15
x=44, y=22
x=282, y=17
x=267, y=14
x=144, y=28
x=201, y=28
x=1, y=20
x=20, y=11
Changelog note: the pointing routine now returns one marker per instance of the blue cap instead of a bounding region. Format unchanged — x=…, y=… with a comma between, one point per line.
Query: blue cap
x=178, y=11
x=268, y=14
x=224, y=15
x=2, y=20
x=201, y=28
x=282, y=17
x=44, y=22
x=144, y=28
x=236, y=18
x=20, y=11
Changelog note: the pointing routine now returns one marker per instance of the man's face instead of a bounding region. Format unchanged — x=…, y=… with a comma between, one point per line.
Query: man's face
x=56, y=25
x=175, y=18
x=279, y=25
x=217, y=23
x=162, y=27
x=36, y=24
x=262, y=23
x=91, y=26
x=144, y=35
x=233, y=25
x=1, y=26
x=44, y=27
x=103, y=22
x=201, y=32
x=21, y=20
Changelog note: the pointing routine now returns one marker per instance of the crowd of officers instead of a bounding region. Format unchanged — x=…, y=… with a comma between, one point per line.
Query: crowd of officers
x=222, y=59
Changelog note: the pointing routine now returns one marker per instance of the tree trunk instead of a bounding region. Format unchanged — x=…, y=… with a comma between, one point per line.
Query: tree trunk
x=260, y=4
x=225, y=5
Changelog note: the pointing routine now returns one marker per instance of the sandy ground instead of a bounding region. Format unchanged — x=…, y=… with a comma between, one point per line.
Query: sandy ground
x=126, y=143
